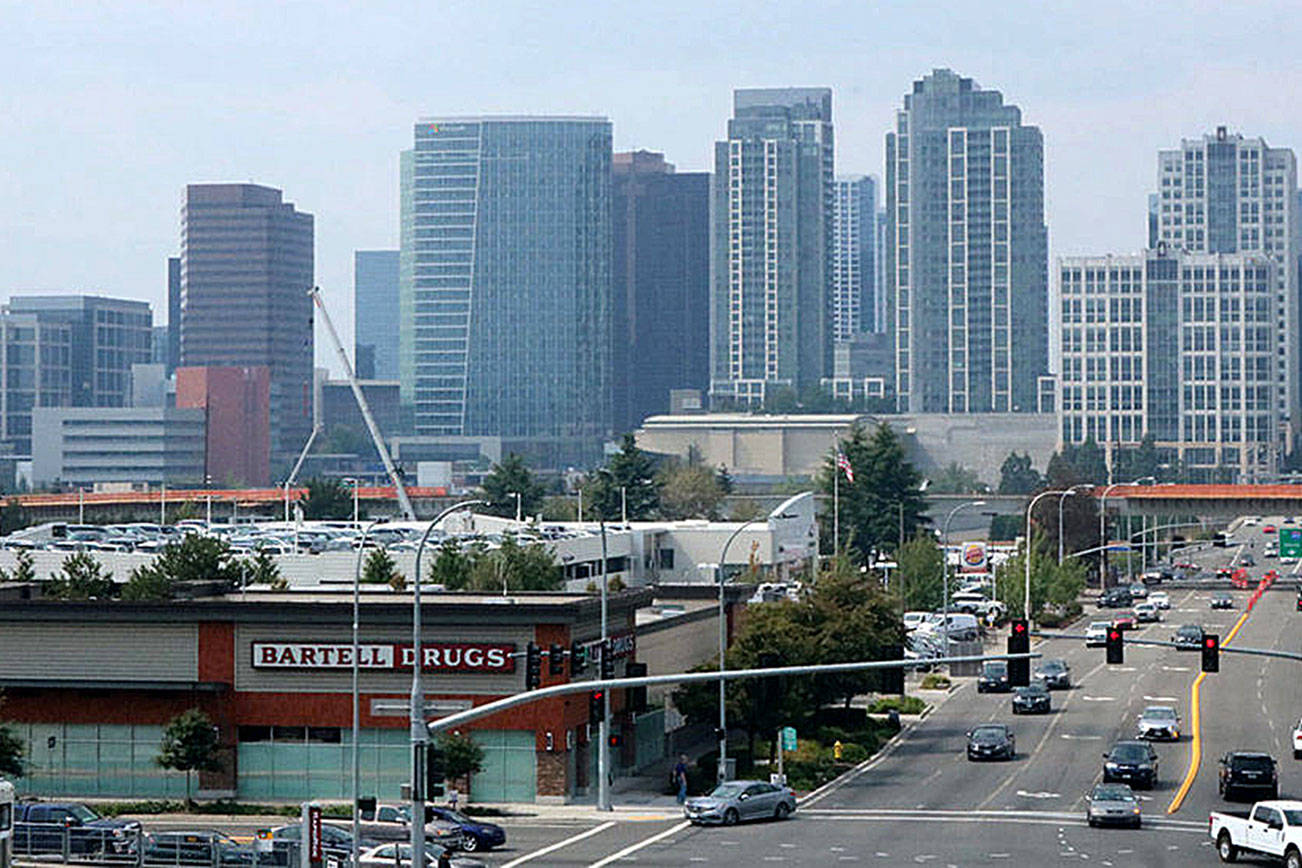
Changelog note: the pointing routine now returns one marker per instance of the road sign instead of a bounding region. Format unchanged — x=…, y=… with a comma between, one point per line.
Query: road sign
x=1290, y=542
x=788, y=738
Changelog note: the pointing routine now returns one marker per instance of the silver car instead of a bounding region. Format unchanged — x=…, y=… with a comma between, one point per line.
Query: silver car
x=733, y=801
x=1112, y=803
x=1159, y=723
x=399, y=856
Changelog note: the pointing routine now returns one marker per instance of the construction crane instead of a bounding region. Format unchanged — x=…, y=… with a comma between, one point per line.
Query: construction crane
x=404, y=502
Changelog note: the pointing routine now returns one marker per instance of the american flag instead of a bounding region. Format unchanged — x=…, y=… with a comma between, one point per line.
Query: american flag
x=843, y=463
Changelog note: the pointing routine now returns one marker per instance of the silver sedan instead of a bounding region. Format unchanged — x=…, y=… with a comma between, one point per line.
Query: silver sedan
x=733, y=801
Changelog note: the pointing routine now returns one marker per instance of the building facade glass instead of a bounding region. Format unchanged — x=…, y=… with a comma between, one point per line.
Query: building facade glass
x=36, y=371
x=854, y=257
x=967, y=250
x=375, y=314
x=505, y=279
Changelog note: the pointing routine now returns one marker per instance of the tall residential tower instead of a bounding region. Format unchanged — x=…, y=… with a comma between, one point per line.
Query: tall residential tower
x=966, y=250
x=854, y=257
x=771, y=285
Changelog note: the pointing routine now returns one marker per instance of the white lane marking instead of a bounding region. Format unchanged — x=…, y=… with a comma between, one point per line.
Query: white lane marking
x=1098, y=699
x=1121, y=669
x=1161, y=698
x=1176, y=669
x=1040, y=795
x=1070, y=737
x=551, y=848
x=633, y=848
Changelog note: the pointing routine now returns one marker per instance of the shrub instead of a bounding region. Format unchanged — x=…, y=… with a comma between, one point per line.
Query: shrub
x=854, y=753
x=810, y=766
x=936, y=681
x=902, y=704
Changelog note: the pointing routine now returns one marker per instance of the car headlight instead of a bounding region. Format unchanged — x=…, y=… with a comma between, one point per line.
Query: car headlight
x=1112, y=767
x=1145, y=767
x=1136, y=809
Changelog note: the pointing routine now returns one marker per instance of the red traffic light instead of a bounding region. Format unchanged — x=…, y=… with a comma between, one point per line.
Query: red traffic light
x=1115, y=634
x=1210, y=643
x=1019, y=627
x=598, y=694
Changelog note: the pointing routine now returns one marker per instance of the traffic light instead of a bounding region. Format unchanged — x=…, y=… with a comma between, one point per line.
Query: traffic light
x=1211, y=652
x=533, y=668
x=596, y=706
x=433, y=770
x=556, y=659
x=615, y=740
x=1116, y=646
x=578, y=659
x=635, y=696
x=607, y=662
x=1019, y=642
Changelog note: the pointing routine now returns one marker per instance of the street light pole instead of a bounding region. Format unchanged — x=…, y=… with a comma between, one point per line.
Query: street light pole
x=1075, y=489
x=603, y=730
x=723, y=647
x=357, y=777
x=419, y=733
x=1103, y=527
x=944, y=565
x=1026, y=602
x=517, y=506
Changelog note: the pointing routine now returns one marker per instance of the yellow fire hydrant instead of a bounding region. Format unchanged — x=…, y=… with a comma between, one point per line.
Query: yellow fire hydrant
x=836, y=750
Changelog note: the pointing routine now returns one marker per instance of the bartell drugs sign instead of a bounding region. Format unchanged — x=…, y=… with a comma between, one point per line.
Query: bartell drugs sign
x=490, y=657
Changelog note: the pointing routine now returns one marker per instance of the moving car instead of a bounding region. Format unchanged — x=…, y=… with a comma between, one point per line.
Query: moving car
x=1115, y=598
x=1147, y=613
x=733, y=801
x=1188, y=638
x=1158, y=723
x=1097, y=633
x=336, y=842
x=436, y=856
x=1032, y=699
x=1297, y=740
x=991, y=741
x=1272, y=828
x=1125, y=620
x=1161, y=599
x=1054, y=673
x=1222, y=600
x=1270, y=528
x=993, y=677
x=1112, y=803
x=1139, y=591
x=1299, y=600
x=1132, y=761
x=475, y=834
x=1245, y=771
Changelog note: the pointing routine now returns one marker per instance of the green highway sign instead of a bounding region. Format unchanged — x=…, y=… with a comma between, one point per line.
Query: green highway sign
x=1290, y=542
x=788, y=738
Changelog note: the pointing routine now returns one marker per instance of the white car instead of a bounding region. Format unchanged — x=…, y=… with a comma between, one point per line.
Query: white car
x=914, y=620
x=1297, y=740
x=1097, y=634
x=1147, y=613
x=1161, y=599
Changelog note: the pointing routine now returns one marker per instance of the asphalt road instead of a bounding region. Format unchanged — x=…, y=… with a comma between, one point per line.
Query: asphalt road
x=924, y=803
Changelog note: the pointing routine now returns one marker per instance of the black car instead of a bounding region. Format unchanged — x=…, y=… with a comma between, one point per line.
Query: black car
x=1222, y=600
x=994, y=677
x=1055, y=674
x=40, y=827
x=1032, y=699
x=991, y=741
x=1248, y=773
x=1116, y=598
x=336, y=842
x=475, y=834
x=1134, y=762
x=196, y=847
x=1188, y=638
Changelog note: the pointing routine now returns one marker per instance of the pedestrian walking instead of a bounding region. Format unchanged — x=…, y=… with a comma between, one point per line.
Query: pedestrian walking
x=680, y=778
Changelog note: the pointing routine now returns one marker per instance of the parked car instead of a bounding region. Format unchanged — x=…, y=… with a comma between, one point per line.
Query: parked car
x=196, y=847
x=390, y=823
x=39, y=827
x=1243, y=771
x=733, y=801
x=389, y=855
x=1112, y=803
x=475, y=834
x=336, y=842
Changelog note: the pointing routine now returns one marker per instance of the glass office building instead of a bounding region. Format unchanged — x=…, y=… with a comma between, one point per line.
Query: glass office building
x=505, y=280
x=854, y=257
x=375, y=314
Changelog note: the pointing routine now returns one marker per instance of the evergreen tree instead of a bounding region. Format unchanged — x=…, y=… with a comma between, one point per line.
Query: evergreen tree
x=919, y=575
x=629, y=475
x=690, y=491
x=1017, y=476
x=81, y=577
x=327, y=498
x=507, y=479
x=12, y=749
x=379, y=568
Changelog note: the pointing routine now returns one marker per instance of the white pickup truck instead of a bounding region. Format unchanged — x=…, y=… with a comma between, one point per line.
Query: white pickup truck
x=1271, y=828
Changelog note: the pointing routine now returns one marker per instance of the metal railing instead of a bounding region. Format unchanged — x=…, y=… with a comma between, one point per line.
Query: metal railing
x=55, y=843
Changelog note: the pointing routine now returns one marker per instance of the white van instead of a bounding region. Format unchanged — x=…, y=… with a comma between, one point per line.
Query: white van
x=963, y=627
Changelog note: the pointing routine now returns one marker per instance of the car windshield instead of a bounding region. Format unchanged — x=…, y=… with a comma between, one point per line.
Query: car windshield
x=1252, y=763
x=1053, y=666
x=82, y=813
x=1190, y=630
x=1112, y=793
x=455, y=816
x=1031, y=690
x=1128, y=753
x=1100, y=625
x=1159, y=712
x=728, y=791
x=997, y=668
x=988, y=733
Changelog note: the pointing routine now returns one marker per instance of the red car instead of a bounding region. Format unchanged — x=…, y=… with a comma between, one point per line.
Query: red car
x=1124, y=620
x=1270, y=528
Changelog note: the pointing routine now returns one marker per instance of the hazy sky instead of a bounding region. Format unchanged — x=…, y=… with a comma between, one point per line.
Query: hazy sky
x=109, y=109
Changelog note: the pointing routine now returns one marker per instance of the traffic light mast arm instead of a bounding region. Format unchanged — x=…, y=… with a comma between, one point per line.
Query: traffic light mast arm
x=1225, y=649
x=524, y=698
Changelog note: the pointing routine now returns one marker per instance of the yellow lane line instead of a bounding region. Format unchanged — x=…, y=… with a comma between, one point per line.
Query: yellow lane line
x=1196, y=756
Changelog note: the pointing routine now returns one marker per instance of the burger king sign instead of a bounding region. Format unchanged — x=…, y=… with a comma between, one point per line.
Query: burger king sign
x=974, y=556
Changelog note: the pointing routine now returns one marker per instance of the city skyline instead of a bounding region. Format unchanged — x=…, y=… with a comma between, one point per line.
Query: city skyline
x=328, y=111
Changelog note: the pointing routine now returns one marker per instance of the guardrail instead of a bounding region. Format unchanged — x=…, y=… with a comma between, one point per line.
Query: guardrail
x=55, y=843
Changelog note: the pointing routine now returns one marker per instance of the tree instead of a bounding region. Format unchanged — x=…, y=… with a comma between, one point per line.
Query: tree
x=560, y=508
x=327, y=498
x=1017, y=476
x=262, y=569
x=24, y=568
x=189, y=744
x=453, y=565
x=1080, y=523
x=198, y=558
x=506, y=479
x=1051, y=585
x=513, y=567
x=1137, y=462
x=919, y=574
x=1077, y=464
x=148, y=583
x=629, y=475
x=957, y=479
x=884, y=502
x=690, y=491
x=81, y=578
x=379, y=568
x=12, y=750
x=462, y=757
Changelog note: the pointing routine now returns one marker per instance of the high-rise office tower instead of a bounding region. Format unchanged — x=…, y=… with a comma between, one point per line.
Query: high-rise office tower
x=246, y=269
x=854, y=257
x=171, y=354
x=1227, y=194
x=1177, y=346
x=109, y=335
x=505, y=280
x=36, y=362
x=375, y=314
x=967, y=251
x=771, y=284
x=662, y=284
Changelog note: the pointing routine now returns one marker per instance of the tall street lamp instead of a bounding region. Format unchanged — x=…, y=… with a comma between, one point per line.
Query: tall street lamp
x=1103, y=519
x=945, y=565
x=419, y=734
x=355, y=483
x=1075, y=489
x=1026, y=602
x=357, y=591
x=723, y=709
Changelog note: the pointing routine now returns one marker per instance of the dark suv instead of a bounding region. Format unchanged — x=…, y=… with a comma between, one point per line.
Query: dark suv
x=1116, y=598
x=40, y=827
x=994, y=677
x=1249, y=772
x=1134, y=762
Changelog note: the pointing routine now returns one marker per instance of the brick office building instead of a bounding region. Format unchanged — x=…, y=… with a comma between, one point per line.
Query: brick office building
x=91, y=685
